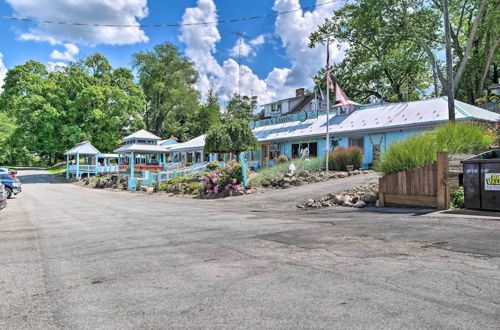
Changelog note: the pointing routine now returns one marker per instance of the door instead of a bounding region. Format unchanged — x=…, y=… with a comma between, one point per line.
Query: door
x=264, y=158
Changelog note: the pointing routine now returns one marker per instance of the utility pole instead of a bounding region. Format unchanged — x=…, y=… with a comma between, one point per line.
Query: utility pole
x=241, y=35
x=449, y=65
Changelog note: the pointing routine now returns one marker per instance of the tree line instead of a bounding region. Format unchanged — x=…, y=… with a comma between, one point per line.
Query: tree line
x=395, y=49
x=44, y=113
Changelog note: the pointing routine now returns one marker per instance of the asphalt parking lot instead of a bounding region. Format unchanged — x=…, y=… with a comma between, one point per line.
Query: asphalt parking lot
x=78, y=258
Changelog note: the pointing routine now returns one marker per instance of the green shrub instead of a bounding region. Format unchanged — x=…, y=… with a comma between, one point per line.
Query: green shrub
x=463, y=138
x=314, y=164
x=339, y=158
x=282, y=159
x=421, y=149
x=415, y=151
x=458, y=200
x=212, y=166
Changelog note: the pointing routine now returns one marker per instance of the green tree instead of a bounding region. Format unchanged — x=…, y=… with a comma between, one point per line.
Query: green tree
x=240, y=108
x=52, y=111
x=210, y=111
x=379, y=59
x=232, y=136
x=167, y=78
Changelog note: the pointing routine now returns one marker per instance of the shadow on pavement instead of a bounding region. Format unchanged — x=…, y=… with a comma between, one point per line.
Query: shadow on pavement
x=39, y=178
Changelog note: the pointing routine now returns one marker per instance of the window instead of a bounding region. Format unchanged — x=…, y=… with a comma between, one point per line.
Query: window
x=278, y=108
x=295, y=150
x=357, y=142
x=313, y=149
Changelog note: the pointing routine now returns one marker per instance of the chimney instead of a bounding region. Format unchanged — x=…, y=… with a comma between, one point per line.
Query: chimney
x=299, y=92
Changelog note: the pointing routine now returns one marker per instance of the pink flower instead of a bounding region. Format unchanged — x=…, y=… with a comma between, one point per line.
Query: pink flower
x=217, y=171
x=206, y=179
x=216, y=189
x=236, y=187
x=229, y=186
x=209, y=186
x=234, y=181
x=214, y=179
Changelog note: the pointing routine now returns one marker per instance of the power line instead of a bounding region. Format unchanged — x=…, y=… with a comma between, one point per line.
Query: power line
x=235, y=20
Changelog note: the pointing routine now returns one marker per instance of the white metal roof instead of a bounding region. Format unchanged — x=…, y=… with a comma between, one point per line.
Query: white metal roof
x=192, y=145
x=376, y=117
x=142, y=135
x=108, y=156
x=141, y=147
x=368, y=118
x=83, y=148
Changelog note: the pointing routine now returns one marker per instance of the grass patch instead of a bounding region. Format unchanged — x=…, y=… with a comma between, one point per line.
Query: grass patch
x=421, y=149
x=56, y=170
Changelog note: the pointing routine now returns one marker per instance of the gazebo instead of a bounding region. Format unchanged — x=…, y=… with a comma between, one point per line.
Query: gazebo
x=141, y=152
x=88, y=152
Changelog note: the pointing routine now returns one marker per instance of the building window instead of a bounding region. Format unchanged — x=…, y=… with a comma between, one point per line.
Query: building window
x=357, y=142
x=278, y=108
x=313, y=149
x=295, y=150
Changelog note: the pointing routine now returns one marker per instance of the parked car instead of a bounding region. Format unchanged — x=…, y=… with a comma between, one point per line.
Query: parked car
x=12, y=186
x=12, y=173
x=3, y=197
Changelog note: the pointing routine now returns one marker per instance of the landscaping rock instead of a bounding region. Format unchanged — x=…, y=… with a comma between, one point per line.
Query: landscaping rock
x=360, y=204
x=358, y=197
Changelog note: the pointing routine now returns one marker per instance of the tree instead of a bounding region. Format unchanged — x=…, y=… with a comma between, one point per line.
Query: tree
x=52, y=111
x=381, y=34
x=210, y=112
x=232, y=136
x=167, y=78
x=240, y=108
x=379, y=59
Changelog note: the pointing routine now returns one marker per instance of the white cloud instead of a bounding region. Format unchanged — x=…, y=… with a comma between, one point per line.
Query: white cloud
x=292, y=29
x=84, y=11
x=3, y=71
x=247, y=49
x=68, y=55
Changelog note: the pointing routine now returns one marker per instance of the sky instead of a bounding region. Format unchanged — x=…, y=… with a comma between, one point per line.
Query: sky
x=276, y=58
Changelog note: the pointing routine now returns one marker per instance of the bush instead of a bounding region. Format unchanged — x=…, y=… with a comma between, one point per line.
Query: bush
x=410, y=153
x=313, y=164
x=464, y=138
x=339, y=158
x=421, y=149
x=282, y=159
x=458, y=200
x=212, y=166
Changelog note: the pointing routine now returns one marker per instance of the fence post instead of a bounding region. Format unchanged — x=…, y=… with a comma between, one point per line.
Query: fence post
x=442, y=197
x=381, y=196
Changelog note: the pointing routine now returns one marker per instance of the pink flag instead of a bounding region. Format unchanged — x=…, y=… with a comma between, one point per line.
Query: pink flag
x=341, y=97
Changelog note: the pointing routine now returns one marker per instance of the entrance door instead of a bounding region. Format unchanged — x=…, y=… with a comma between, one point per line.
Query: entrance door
x=264, y=158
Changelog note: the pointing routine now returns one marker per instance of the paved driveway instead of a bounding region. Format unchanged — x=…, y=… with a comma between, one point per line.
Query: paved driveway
x=78, y=258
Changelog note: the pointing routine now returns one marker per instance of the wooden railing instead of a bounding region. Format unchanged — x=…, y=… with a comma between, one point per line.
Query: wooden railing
x=425, y=186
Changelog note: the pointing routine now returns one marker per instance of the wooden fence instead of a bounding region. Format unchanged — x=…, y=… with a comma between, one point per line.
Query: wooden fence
x=425, y=186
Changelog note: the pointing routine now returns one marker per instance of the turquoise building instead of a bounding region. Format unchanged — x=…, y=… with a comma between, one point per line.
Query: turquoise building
x=286, y=127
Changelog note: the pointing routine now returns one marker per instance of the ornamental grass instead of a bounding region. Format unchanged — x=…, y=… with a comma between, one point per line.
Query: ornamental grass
x=421, y=149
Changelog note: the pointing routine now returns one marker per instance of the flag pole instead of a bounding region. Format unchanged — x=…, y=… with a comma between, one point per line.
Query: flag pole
x=327, y=102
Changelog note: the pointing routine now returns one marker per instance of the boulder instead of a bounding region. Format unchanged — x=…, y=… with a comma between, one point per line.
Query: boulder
x=360, y=204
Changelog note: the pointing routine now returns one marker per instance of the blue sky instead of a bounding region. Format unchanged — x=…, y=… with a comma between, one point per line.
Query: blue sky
x=276, y=57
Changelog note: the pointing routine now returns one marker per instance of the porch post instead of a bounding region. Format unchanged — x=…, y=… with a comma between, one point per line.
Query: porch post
x=244, y=169
x=78, y=166
x=67, y=167
x=96, y=164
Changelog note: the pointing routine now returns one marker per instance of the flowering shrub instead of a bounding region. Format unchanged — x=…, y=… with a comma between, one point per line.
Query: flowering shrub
x=223, y=179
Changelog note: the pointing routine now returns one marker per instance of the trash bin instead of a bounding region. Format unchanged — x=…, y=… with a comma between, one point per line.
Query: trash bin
x=482, y=181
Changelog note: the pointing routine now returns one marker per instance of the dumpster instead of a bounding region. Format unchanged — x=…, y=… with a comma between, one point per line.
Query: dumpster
x=482, y=181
